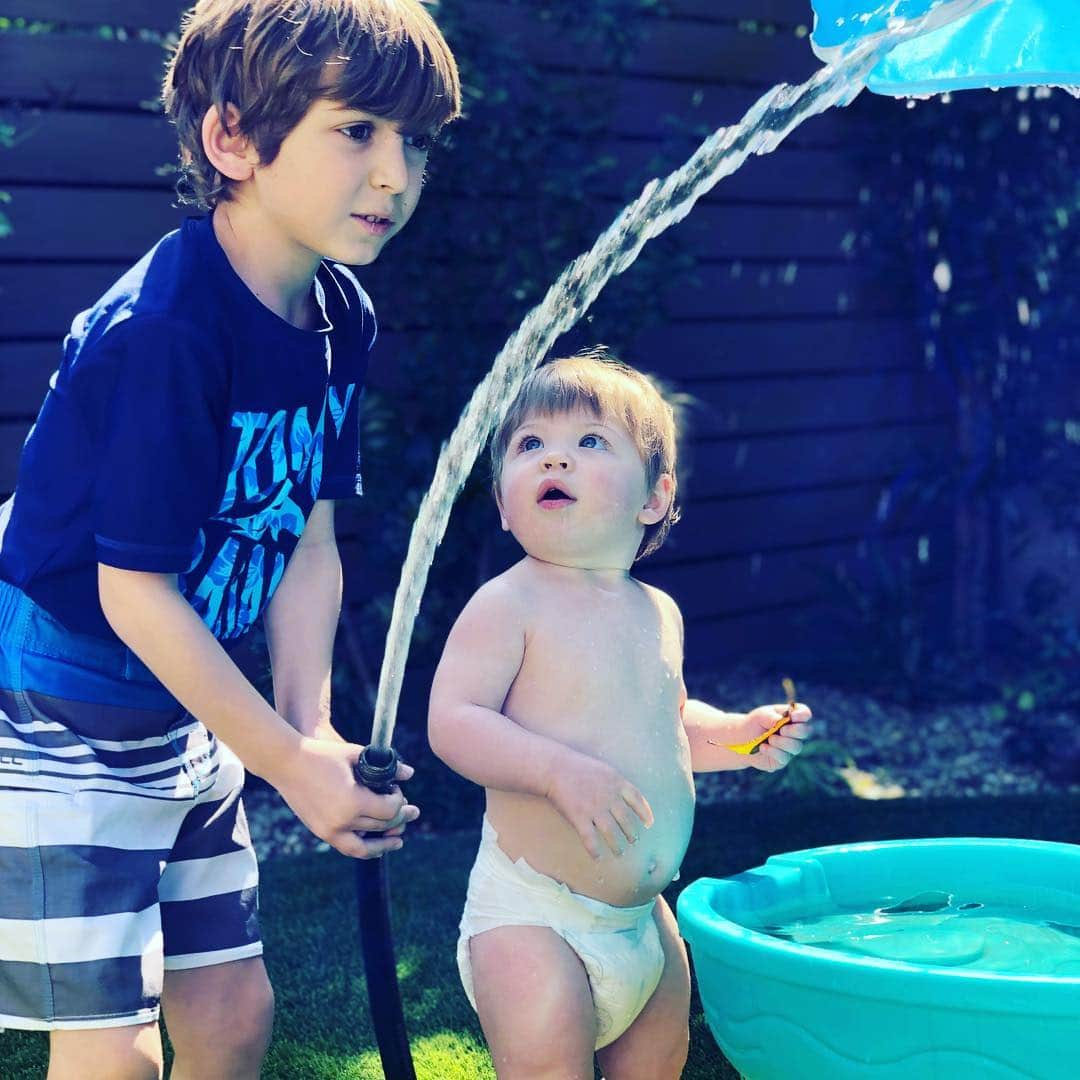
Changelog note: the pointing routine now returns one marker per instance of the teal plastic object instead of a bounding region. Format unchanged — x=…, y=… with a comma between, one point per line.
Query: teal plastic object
x=780, y=1010
x=1006, y=43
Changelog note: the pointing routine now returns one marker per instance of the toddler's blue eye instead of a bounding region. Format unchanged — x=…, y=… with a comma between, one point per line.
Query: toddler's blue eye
x=593, y=442
x=529, y=442
x=360, y=133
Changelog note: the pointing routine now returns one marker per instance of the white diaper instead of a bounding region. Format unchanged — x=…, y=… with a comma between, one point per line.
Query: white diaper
x=619, y=946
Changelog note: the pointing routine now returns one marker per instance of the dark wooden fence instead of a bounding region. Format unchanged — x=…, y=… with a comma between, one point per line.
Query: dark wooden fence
x=809, y=371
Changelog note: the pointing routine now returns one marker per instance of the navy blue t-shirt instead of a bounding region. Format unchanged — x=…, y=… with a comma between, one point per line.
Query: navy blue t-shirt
x=189, y=430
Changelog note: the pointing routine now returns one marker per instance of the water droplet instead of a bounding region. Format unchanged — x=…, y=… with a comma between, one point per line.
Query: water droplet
x=943, y=276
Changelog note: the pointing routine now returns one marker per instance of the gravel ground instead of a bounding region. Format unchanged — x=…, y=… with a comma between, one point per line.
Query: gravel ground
x=878, y=749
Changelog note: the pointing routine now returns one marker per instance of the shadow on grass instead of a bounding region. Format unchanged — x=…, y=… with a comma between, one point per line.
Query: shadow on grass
x=323, y=1030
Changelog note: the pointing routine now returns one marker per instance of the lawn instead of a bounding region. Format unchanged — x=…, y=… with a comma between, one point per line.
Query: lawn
x=308, y=908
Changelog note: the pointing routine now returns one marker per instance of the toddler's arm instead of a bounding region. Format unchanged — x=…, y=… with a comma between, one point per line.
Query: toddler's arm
x=468, y=730
x=710, y=731
x=152, y=618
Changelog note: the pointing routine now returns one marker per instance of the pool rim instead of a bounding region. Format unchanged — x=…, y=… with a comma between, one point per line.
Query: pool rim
x=756, y=952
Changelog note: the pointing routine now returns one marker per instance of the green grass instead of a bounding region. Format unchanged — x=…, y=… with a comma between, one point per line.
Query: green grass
x=322, y=1029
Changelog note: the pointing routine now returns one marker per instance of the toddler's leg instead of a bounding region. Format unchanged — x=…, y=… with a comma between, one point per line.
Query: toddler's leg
x=534, y=1003
x=219, y=1020
x=131, y=1052
x=655, y=1045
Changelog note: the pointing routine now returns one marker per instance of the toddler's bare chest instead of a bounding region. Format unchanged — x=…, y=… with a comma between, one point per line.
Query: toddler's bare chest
x=616, y=664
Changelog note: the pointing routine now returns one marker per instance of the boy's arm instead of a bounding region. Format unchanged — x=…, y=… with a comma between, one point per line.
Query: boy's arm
x=148, y=613
x=301, y=622
x=468, y=730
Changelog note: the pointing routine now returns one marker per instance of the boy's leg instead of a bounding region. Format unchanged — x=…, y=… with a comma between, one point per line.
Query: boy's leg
x=534, y=1003
x=118, y=1053
x=655, y=1045
x=216, y=997
x=219, y=1019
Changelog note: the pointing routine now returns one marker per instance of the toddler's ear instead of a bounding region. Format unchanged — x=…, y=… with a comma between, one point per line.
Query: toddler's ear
x=502, y=513
x=231, y=153
x=659, y=501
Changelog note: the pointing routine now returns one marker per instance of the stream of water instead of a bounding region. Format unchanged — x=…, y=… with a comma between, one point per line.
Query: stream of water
x=660, y=205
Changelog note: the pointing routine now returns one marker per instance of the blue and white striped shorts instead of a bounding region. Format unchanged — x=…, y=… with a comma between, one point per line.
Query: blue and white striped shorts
x=124, y=850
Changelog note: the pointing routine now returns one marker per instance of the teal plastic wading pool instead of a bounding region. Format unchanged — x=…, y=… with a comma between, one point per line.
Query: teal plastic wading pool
x=918, y=1004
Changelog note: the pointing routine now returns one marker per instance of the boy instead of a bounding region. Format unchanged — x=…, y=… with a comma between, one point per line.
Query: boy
x=560, y=690
x=180, y=482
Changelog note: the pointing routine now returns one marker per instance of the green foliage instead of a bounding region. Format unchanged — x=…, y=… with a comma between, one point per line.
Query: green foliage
x=520, y=186
x=971, y=209
x=810, y=773
x=7, y=141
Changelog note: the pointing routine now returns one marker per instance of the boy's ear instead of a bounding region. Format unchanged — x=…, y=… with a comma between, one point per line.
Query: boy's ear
x=659, y=500
x=231, y=153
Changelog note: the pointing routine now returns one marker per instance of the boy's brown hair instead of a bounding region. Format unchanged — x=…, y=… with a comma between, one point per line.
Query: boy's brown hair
x=597, y=382
x=272, y=59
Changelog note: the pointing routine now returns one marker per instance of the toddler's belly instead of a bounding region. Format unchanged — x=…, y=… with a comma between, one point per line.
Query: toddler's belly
x=530, y=827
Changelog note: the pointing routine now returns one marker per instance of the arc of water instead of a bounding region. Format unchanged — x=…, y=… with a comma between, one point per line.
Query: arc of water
x=661, y=204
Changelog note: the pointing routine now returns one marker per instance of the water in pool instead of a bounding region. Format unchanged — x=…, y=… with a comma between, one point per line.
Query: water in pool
x=946, y=930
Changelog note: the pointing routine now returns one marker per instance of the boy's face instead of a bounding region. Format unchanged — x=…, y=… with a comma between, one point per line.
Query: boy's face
x=573, y=491
x=343, y=183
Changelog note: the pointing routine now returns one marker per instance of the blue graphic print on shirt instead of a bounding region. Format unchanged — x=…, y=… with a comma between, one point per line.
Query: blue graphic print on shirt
x=235, y=584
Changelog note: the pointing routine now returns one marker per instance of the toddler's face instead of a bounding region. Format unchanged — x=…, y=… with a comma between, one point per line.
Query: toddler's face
x=573, y=490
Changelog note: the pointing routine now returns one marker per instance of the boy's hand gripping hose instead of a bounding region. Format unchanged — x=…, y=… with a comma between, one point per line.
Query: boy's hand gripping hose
x=376, y=770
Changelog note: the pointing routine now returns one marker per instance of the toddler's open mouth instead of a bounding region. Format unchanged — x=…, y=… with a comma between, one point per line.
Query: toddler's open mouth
x=552, y=496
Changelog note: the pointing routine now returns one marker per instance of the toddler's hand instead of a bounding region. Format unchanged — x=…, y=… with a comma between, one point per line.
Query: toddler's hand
x=322, y=791
x=604, y=808
x=780, y=748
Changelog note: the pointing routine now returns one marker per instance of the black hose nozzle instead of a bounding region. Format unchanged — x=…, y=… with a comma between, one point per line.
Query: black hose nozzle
x=377, y=770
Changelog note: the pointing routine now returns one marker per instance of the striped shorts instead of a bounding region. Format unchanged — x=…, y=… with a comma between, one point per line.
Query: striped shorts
x=124, y=850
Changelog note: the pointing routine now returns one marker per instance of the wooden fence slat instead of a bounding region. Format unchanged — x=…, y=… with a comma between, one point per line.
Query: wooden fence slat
x=789, y=12
x=165, y=14
x=76, y=223
x=720, y=52
x=768, y=290
x=689, y=350
x=110, y=148
x=780, y=577
x=39, y=301
x=784, y=637
x=63, y=70
x=24, y=376
x=796, y=461
x=777, y=520
x=103, y=72
x=683, y=351
x=12, y=436
x=812, y=402
x=133, y=14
